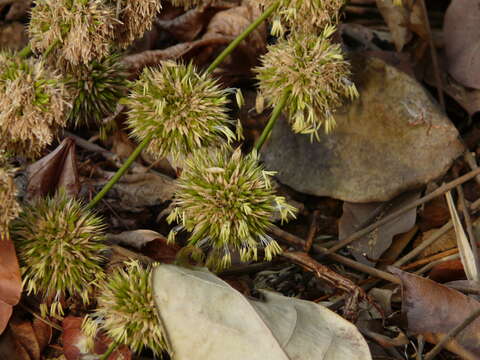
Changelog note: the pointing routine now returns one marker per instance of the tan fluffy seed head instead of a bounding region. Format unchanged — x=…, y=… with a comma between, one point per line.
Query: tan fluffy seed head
x=306, y=16
x=316, y=75
x=76, y=31
x=32, y=105
x=9, y=208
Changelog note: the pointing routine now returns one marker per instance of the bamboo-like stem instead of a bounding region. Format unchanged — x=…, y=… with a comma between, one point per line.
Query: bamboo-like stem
x=210, y=69
x=277, y=111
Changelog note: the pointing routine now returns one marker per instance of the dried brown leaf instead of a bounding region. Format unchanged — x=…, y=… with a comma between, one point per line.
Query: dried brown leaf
x=10, y=281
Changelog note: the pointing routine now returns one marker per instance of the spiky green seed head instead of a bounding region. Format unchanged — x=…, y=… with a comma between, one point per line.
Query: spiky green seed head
x=136, y=17
x=59, y=244
x=303, y=16
x=315, y=73
x=32, y=105
x=74, y=32
x=126, y=310
x=225, y=200
x=95, y=91
x=9, y=207
x=184, y=110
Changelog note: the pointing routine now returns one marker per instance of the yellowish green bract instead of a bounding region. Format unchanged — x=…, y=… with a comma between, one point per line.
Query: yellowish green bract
x=226, y=201
x=126, y=310
x=316, y=75
x=59, y=244
x=185, y=110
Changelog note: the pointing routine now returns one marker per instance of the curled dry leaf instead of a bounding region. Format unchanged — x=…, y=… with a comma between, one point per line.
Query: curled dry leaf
x=432, y=310
x=356, y=216
x=54, y=171
x=462, y=41
x=225, y=322
x=10, y=281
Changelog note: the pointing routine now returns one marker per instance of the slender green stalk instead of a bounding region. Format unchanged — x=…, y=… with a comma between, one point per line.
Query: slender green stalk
x=120, y=171
x=273, y=119
x=228, y=50
x=110, y=350
x=212, y=67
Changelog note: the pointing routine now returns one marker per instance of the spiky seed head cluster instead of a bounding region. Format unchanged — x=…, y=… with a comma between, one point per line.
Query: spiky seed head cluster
x=184, y=110
x=315, y=72
x=59, y=244
x=136, y=17
x=226, y=201
x=77, y=30
x=31, y=105
x=126, y=310
x=95, y=90
x=9, y=208
x=305, y=16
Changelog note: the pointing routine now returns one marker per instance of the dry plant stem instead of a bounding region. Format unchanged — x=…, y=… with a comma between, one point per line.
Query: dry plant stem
x=311, y=232
x=273, y=119
x=433, y=54
x=429, y=259
x=336, y=280
x=291, y=239
x=430, y=266
x=452, y=334
x=212, y=67
x=440, y=191
x=470, y=159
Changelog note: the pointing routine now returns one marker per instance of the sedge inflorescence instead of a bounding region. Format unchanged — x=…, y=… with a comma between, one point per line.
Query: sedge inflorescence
x=305, y=16
x=59, y=244
x=225, y=200
x=95, y=90
x=9, y=207
x=316, y=74
x=183, y=109
x=32, y=105
x=126, y=310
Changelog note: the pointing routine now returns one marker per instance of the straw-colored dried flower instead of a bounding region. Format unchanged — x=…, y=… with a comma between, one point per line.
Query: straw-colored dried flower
x=316, y=75
x=182, y=109
x=136, y=17
x=59, y=244
x=96, y=90
x=73, y=32
x=306, y=16
x=126, y=310
x=226, y=202
x=31, y=105
x=9, y=208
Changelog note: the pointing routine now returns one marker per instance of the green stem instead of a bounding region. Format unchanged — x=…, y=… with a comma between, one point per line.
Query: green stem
x=228, y=50
x=25, y=52
x=273, y=119
x=212, y=67
x=111, y=348
x=51, y=47
x=121, y=171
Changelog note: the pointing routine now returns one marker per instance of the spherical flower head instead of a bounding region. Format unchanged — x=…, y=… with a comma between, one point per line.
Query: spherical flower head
x=95, y=90
x=316, y=75
x=9, y=208
x=305, y=16
x=31, y=105
x=136, y=17
x=226, y=201
x=72, y=31
x=59, y=244
x=126, y=310
x=183, y=109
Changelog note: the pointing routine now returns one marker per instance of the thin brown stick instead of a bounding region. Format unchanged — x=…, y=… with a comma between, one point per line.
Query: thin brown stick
x=440, y=191
x=470, y=159
x=429, y=259
x=433, y=53
x=312, y=231
x=291, y=239
x=452, y=334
